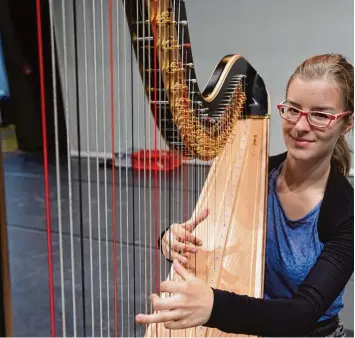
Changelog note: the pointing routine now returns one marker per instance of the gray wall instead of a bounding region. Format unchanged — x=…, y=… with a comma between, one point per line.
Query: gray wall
x=274, y=35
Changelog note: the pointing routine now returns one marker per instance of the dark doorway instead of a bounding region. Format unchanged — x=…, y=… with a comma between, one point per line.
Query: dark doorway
x=18, y=24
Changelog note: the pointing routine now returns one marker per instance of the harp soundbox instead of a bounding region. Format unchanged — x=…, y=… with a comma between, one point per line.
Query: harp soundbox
x=189, y=148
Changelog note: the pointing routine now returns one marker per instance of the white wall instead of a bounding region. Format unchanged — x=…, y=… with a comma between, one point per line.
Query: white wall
x=273, y=35
x=95, y=96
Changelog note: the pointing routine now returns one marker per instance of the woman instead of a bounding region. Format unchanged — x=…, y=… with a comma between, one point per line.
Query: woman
x=310, y=227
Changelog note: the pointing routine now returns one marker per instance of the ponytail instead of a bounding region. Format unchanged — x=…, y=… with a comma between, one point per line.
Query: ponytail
x=342, y=155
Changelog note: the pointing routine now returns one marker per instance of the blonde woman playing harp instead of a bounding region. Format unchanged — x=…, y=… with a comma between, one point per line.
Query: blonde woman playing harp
x=310, y=226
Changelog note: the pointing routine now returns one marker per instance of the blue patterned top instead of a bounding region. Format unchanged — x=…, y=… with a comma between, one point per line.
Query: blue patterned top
x=292, y=248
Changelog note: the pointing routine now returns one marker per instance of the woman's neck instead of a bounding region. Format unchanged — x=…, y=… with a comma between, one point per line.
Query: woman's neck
x=297, y=175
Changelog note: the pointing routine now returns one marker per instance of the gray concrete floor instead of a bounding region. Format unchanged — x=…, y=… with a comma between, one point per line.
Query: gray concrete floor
x=28, y=247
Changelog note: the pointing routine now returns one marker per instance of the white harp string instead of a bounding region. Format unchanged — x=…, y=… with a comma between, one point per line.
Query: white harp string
x=88, y=167
x=150, y=66
x=57, y=166
x=158, y=88
x=145, y=166
x=97, y=162
x=120, y=116
x=139, y=113
x=70, y=191
x=105, y=163
x=126, y=50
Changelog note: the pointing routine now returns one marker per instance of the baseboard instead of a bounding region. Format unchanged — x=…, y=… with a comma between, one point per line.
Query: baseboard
x=125, y=160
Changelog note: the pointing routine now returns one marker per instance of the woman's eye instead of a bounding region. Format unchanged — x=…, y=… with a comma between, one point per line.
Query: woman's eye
x=320, y=116
x=292, y=111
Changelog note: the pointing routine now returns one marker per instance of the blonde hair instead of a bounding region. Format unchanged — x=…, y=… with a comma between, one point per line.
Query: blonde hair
x=338, y=69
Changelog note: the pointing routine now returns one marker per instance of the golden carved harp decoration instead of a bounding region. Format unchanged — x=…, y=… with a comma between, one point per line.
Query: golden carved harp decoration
x=215, y=140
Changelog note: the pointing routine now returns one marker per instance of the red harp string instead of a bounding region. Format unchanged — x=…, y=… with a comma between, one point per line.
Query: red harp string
x=45, y=164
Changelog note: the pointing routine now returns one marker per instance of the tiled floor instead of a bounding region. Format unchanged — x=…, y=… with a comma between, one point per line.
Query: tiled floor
x=134, y=207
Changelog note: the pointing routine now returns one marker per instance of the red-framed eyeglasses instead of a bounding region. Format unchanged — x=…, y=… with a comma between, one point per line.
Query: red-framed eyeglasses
x=315, y=118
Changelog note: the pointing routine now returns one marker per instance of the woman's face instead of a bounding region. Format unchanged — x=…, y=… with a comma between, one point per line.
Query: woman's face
x=303, y=141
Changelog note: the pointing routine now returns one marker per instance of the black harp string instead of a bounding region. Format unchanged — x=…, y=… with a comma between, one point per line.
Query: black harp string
x=79, y=168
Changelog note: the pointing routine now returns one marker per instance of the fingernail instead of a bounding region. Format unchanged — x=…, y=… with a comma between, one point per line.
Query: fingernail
x=193, y=250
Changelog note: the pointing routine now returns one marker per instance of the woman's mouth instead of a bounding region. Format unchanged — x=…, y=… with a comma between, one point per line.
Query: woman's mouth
x=301, y=142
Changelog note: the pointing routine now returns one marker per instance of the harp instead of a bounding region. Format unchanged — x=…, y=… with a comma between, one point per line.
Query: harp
x=152, y=149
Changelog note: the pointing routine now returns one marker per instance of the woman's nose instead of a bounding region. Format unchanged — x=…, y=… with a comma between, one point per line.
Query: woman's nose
x=303, y=124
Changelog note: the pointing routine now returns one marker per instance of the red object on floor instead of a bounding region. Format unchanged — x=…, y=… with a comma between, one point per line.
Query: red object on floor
x=155, y=160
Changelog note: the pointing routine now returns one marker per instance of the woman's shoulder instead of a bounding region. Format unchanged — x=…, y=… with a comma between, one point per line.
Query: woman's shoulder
x=276, y=160
x=337, y=209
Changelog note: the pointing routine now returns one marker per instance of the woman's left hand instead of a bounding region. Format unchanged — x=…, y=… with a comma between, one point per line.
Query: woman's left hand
x=189, y=306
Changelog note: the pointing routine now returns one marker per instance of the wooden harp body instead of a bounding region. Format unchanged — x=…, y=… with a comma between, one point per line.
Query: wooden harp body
x=230, y=125
x=224, y=128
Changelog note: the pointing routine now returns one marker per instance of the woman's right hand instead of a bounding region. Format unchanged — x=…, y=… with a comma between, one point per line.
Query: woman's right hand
x=178, y=240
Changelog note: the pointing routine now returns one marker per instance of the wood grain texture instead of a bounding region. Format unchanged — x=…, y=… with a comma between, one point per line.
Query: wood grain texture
x=233, y=254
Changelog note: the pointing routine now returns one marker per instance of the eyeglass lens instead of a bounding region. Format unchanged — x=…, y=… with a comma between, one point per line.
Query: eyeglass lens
x=316, y=118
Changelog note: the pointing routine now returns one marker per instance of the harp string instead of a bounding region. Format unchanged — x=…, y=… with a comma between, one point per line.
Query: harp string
x=45, y=160
x=125, y=116
x=97, y=165
x=156, y=183
x=70, y=190
x=148, y=174
x=86, y=95
x=171, y=204
x=167, y=176
x=145, y=164
x=80, y=170
x=161, y=209
x=139, y=178
x=179, y=190
x=185, y=173
x=113, y=170
x=58, y=179
x=146, y=287
x=184, y=188
x=104, y=163
x=120, y=116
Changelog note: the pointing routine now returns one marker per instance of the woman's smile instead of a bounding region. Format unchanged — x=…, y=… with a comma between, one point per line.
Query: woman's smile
x=301, y=142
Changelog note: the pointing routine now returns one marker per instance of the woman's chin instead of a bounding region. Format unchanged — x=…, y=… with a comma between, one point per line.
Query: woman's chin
x=300, y=153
